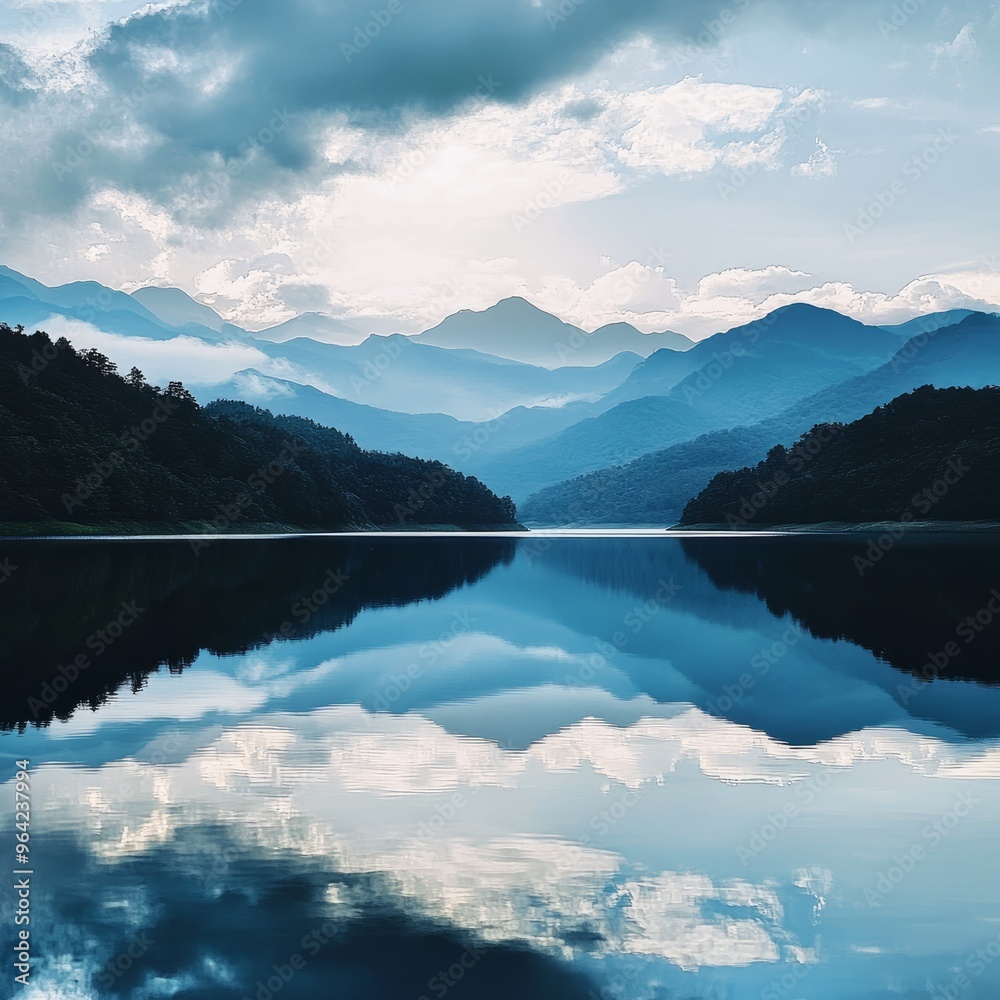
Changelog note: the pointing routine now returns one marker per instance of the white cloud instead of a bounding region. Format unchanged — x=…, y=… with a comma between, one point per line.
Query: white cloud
x=962, y=49
x=668, y=910
x=820, y=165
x=192, y=361
x=675, y=127
x=647, y=297
x=431, y=218
x=253, y=388
x=751, y=283
x=397, y=228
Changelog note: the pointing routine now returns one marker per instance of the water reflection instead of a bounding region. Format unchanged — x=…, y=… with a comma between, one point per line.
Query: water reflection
x=566, y=770
x=930, y=605
x=112, y=613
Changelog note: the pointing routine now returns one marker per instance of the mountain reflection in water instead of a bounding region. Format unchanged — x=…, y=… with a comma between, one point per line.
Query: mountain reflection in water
x=479, y=767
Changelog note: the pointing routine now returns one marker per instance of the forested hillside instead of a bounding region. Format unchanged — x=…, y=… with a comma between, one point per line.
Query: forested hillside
x=83, y=445
x=933, y=454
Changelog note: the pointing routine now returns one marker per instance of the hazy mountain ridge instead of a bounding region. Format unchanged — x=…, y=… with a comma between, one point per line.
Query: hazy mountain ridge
x=176, y=308
x=426, y=435
x=630, y=439
x=397, y=373
x=656, y=487
x=516, y=329
x=739, y=377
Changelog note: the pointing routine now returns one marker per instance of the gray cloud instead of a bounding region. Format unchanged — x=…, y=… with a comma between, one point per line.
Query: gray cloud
x=15, y=76
x=218, y=101
x=209, y=103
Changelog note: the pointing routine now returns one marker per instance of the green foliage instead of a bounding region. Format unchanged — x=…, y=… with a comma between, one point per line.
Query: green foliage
x=79, y=443
x=932, y=454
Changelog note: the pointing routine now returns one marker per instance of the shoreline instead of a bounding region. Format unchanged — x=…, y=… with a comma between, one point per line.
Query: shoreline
x=131, y=531
x=845, y=527
x=126, y=530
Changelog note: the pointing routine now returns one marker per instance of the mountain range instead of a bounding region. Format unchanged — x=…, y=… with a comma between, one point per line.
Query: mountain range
x=656, y=487
x=516, y=329
x=613, y=426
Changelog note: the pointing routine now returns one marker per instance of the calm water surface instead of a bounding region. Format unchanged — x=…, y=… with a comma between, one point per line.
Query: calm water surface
x=505, y=767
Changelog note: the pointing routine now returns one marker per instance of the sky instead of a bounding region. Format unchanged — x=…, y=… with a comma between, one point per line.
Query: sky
x=680, y=165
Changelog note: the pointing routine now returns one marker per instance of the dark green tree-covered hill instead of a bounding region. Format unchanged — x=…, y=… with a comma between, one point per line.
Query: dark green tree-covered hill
x=932, y=454
x=80, y=444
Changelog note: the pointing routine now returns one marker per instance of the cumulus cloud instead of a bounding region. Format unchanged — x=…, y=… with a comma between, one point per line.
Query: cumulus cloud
x=820, y=165
x=244, y=152
x=646, y=296
x=961, y=49
x=671, y=123
x=210, y=100
x=214, y=100
x=16, y=78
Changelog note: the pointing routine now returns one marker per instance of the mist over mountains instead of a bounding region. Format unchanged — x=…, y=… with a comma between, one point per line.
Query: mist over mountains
x=614, y=426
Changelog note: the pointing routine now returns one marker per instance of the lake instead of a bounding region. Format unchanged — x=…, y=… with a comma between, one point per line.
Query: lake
x=623, y=766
